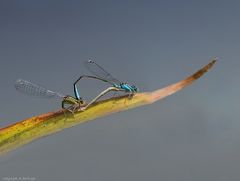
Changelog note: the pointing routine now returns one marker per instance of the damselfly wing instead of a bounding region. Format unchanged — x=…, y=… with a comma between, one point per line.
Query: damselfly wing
x=98, y=71
x=32, y=89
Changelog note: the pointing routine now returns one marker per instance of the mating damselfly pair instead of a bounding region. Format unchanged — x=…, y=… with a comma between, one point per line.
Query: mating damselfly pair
x=76, y=103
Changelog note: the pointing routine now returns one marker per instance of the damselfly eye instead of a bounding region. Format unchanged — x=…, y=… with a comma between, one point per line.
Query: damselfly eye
x=134, y=88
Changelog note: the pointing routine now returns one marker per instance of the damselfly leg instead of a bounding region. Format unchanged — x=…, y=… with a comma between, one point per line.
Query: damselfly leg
x=74, y=104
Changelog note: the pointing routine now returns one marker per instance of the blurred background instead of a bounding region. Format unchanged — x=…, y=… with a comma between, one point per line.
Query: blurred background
x=191, y=135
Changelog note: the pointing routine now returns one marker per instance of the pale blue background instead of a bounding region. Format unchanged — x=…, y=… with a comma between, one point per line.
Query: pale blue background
x=192, y=135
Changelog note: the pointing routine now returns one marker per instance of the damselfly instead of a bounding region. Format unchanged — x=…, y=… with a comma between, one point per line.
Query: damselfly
x=29, y=88
x=101, y=74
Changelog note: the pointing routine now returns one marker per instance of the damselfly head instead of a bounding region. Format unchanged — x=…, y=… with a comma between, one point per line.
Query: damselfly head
x=134, y=88
x=83, y=103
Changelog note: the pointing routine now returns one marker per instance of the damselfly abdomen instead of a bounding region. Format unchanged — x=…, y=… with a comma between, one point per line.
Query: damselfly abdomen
x=101, y=74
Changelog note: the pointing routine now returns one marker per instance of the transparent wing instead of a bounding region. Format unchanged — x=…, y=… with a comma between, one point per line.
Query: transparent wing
x=97, y=70
x=29, y=88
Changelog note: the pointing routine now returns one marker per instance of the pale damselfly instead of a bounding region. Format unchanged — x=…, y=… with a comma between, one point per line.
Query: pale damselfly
x=35, y=90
